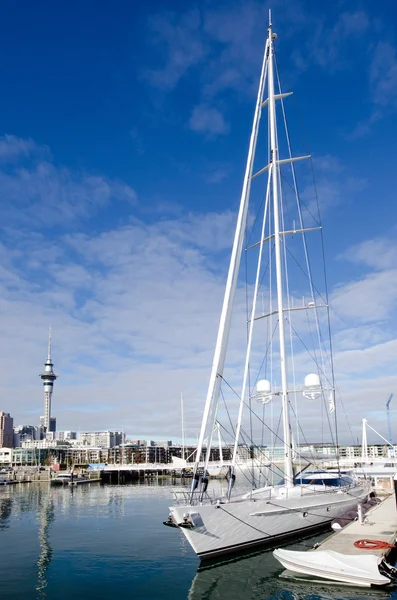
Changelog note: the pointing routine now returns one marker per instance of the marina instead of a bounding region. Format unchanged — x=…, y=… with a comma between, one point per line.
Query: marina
x=110, y=538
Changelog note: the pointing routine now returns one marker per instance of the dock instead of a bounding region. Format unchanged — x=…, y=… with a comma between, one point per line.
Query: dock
x=356, y=555
x=379, y=523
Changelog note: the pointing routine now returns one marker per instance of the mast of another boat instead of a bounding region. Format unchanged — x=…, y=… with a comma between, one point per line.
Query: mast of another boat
x=183, y=429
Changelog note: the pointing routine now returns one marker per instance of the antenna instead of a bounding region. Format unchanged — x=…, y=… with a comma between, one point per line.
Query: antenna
x=270, y=17
x=49, y=342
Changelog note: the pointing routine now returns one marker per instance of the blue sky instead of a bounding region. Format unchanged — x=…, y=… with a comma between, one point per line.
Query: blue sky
x=124, y=132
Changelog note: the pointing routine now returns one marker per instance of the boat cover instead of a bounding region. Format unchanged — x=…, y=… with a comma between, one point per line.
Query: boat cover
x=358, y=569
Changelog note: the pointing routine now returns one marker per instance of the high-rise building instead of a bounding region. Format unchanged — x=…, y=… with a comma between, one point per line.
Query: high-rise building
x=6, y=430
x=25, y=433
x=53, y=425
x=48, y=377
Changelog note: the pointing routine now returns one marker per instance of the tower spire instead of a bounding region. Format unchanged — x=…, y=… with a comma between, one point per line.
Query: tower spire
x=48, y=377
x=49, y=343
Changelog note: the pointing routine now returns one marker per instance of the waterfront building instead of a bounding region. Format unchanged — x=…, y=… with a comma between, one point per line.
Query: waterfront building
x=102, y=439
x=5, y=456
x=65, y=435
x=6, y=430
x=162, y=443
x=48, y=377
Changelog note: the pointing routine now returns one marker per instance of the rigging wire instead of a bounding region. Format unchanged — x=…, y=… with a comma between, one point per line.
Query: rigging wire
x=307, y=256
x=260, y=419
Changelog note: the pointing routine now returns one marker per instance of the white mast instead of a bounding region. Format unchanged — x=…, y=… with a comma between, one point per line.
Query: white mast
x=226, y=314
x=275, y=174
x=183, y=429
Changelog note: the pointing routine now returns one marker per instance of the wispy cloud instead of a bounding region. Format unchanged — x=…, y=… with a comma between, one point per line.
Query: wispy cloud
x=383, y=74
x=378, y=253
x=223, y=46
x=206, y=119
x=382, y=87
x=178, y=35
x=35, y=188
x=13, y=147
x=326, y=43
x=135, y=310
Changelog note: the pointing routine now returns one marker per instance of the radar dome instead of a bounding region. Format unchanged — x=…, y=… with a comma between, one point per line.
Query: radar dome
x=263, y=386
x=312, y=380
x=264, y=391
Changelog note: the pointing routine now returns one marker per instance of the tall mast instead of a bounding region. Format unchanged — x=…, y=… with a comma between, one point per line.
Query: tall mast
x=275, y=174
x=211, y=403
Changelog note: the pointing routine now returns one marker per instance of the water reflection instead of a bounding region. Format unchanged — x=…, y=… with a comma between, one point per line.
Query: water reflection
x=254, y=576
x=5, y=512
x=305, y=589
x=46, y=518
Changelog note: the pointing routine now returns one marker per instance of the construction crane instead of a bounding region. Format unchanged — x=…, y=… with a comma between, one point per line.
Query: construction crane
x=390, y=398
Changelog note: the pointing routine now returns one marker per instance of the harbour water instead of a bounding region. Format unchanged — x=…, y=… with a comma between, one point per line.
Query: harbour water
x=108, y=542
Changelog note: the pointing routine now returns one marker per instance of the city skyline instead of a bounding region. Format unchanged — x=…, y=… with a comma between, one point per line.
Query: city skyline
x=120, y=182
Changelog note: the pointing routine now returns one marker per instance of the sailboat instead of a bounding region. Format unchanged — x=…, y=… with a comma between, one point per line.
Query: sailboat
x=308, y=501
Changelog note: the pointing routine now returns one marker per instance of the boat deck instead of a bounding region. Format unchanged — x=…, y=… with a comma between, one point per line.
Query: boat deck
x=380, y=523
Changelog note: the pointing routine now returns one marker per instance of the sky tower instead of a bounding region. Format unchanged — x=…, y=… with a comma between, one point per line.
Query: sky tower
x=48, y=377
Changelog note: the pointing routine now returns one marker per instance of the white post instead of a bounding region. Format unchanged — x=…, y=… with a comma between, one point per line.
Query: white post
x=364, y=444
x=279, y=277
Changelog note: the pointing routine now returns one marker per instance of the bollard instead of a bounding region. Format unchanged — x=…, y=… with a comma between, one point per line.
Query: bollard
x=360, y=514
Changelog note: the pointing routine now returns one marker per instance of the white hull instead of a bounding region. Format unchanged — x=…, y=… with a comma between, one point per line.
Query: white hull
x=358, y=570
x=216, y=529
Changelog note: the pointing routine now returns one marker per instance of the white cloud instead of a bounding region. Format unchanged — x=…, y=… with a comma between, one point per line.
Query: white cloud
x=383, y=74
x=382, y=87
x=368, y=300
x=135, y=311
x=326, y=44
x=13, y=147
x=378, y=253
x=206, y=119
x=372, y=359
x=34, y=188
x=178, y=36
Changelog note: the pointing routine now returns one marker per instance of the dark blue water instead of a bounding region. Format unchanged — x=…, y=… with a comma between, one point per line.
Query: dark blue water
x=109, y=542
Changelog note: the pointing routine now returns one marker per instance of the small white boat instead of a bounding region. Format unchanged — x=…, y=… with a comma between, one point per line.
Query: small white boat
x=71, y=479
x=356, y=570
